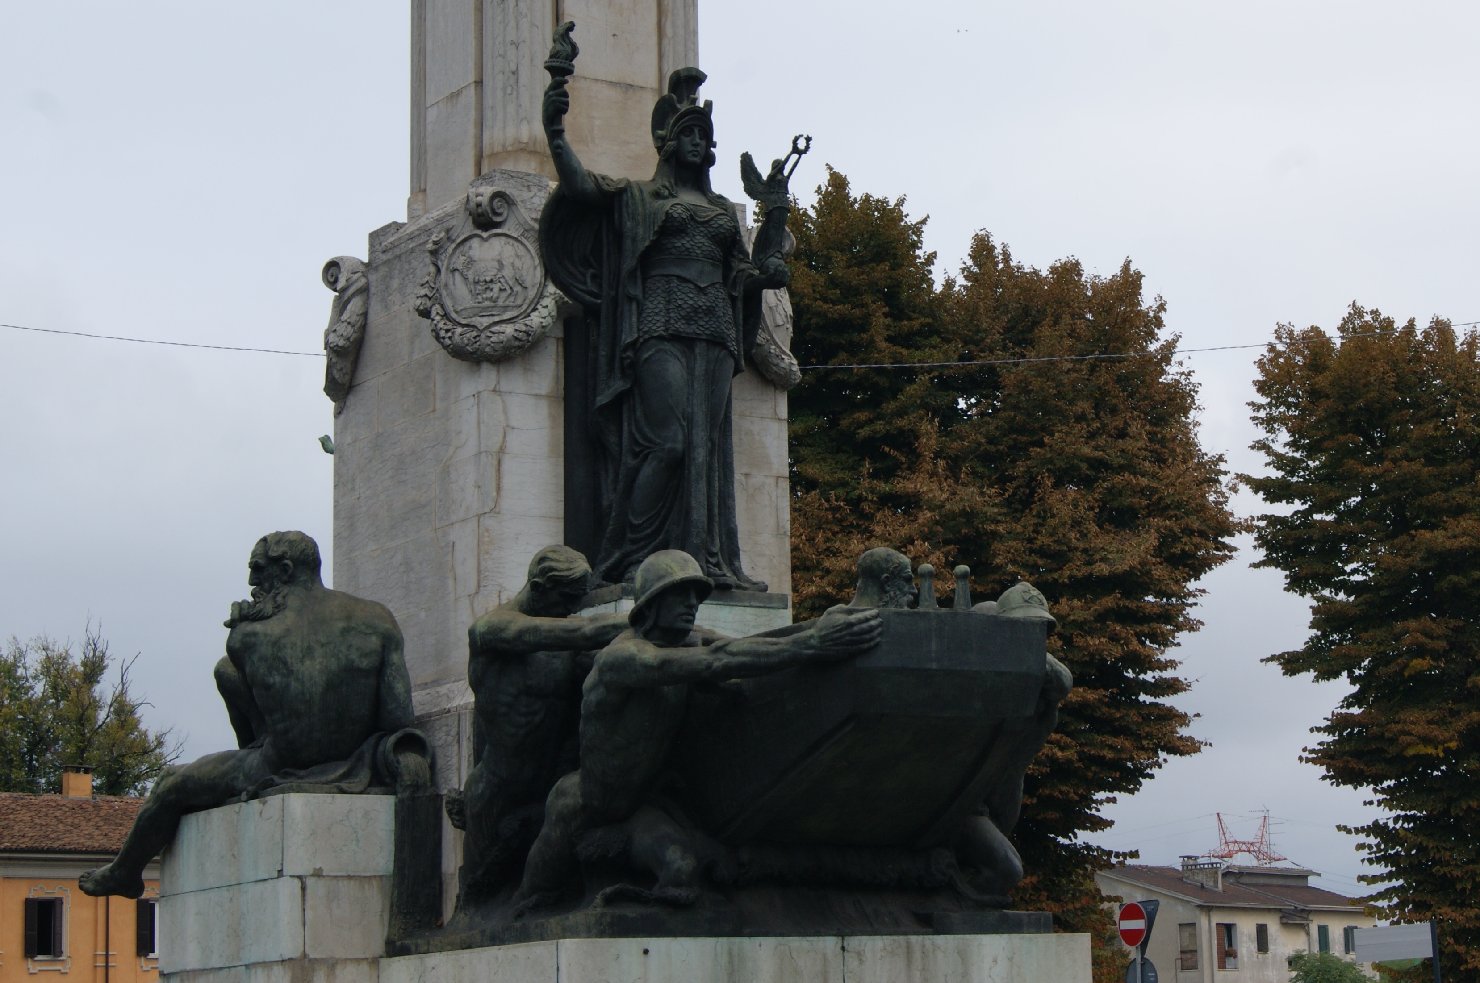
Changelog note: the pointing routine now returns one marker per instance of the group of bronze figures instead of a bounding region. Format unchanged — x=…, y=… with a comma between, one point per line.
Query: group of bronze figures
x=641, y=758
x=576, y=721
x=601, y=742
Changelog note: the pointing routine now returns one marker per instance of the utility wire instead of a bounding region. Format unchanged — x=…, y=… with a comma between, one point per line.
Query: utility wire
x=1023, y=360
x=156, y=341
x=1068, y=358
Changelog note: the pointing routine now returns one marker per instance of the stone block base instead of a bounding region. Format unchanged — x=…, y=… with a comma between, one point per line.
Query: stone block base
x=834, y=959
x=287, y=887
x=286, y=971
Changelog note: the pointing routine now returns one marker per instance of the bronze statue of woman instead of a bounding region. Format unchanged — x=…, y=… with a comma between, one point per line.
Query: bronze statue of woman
x=674, y=302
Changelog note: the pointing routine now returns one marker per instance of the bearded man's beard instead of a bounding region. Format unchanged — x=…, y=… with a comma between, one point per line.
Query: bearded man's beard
x=897, y=596
x=263, y=605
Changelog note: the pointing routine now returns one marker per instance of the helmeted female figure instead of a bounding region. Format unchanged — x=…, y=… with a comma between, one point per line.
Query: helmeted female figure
x=676, y=298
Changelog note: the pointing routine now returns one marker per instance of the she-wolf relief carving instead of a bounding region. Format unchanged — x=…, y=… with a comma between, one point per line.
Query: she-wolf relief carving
x=487, y=294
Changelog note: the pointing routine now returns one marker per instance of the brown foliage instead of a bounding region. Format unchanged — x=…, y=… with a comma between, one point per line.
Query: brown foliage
x=1373, y=446
x=1079, y=473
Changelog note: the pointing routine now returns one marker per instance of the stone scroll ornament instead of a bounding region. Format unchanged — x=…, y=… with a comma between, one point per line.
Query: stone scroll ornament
x=487, y=294
x=344, y=275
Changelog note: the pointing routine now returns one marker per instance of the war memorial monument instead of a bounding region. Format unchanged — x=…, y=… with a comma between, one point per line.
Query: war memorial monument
x=556, y=721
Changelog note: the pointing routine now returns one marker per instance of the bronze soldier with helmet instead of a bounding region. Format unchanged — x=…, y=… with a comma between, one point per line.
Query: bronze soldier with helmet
x=632, y=705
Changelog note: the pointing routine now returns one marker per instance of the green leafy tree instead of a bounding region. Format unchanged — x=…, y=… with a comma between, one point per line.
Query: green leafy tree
x=1324, y=967
x=1373, y=451
x=57, y=709
x=1048, y=463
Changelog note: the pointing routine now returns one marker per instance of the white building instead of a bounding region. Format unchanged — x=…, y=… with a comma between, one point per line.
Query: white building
x=1220, y=923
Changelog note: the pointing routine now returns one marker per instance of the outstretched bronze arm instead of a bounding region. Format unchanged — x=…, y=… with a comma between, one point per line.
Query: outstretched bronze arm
x=841, y=633
x=574, y=178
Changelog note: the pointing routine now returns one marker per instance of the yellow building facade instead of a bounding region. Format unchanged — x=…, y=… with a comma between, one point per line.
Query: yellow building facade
x=49, y=930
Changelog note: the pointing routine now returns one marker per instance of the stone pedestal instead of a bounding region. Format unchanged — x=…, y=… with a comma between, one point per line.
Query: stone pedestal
x=288, y=887
x=833, y=959
x=295, y=888
x=448, y=474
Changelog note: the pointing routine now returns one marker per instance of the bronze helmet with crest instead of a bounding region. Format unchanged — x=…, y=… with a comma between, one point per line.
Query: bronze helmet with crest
x=680, y=107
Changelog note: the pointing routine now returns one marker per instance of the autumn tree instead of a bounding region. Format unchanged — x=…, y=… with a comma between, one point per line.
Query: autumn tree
x=863, y=295
x=57, y=708
x=1373, y=453
x=1032, y=456
x=1084, y=429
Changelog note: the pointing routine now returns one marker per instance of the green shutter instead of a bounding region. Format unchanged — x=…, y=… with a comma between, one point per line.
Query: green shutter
x=1323, y=937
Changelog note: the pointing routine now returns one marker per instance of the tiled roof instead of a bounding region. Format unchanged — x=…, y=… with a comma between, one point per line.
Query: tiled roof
x=1234, y=894
x=57, y=824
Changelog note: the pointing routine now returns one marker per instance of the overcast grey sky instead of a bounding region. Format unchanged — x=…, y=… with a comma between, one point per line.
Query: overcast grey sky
x=180, y=171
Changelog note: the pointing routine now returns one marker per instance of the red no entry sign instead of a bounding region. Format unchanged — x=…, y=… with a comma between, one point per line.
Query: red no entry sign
x=1132, y=924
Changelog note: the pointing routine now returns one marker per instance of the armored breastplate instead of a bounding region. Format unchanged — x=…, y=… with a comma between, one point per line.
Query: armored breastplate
x=691, y=243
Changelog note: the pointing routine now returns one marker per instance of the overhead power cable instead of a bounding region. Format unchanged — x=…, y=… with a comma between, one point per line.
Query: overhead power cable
x=1059, y=358
x=970, y=363
x=1019, y=361
x=156, y=341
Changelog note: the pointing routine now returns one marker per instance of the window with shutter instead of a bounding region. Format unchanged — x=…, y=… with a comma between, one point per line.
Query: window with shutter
x=146, y=939
x=32, y=942
x=45, y=921
x=1226, y=937
x=1187, y=943
x=1323, y=938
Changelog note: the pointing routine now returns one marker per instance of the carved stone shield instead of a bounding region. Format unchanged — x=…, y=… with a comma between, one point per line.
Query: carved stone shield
x=487, y=295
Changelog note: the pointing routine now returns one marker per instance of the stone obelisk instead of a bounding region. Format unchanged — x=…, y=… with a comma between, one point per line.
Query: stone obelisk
x=477, y=78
